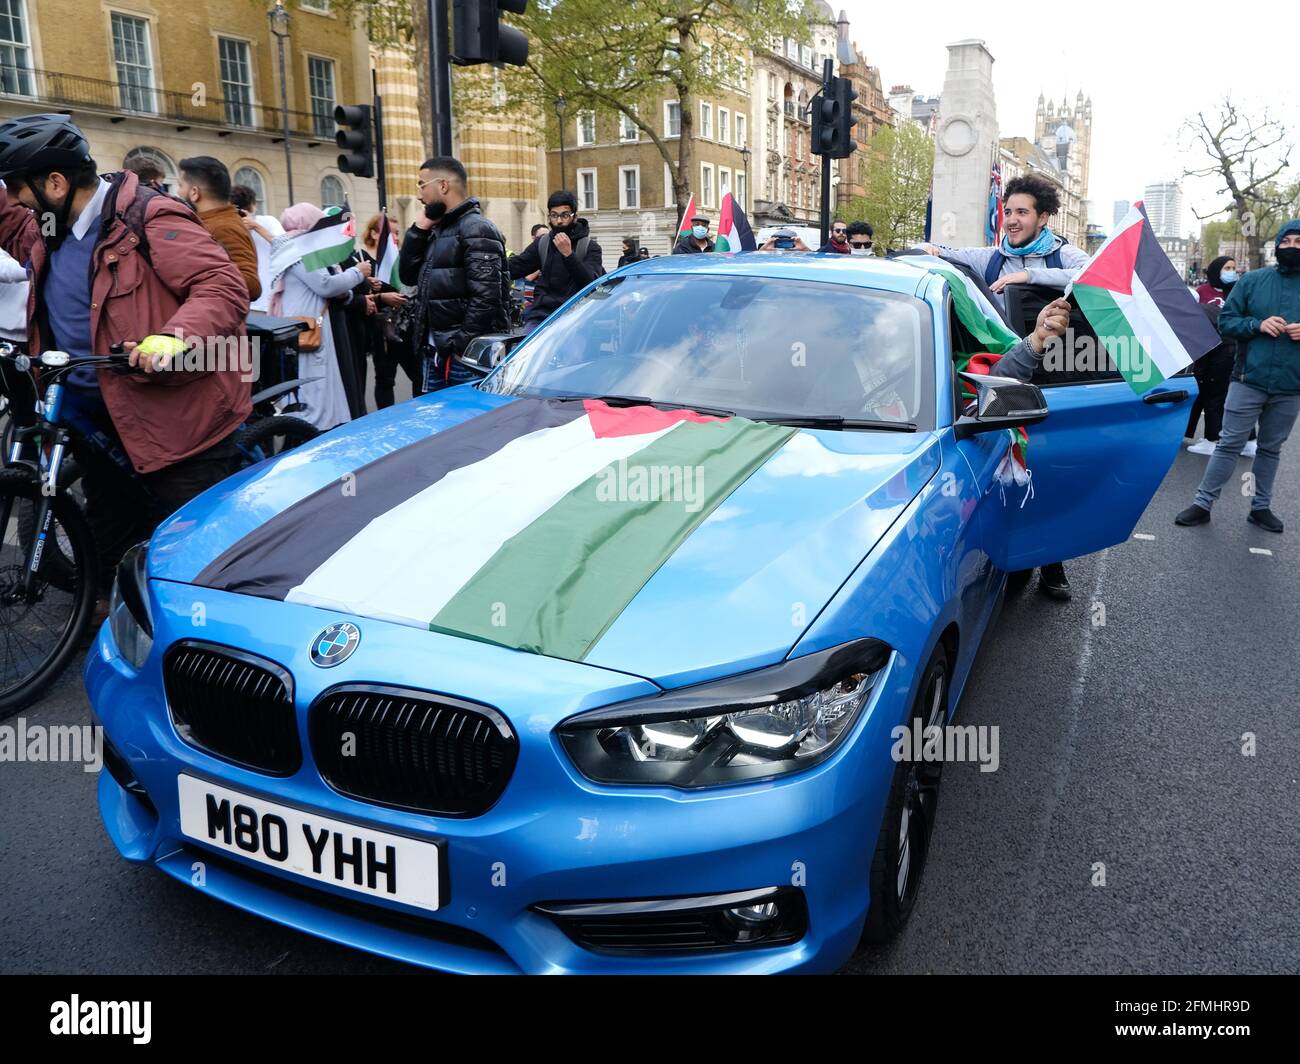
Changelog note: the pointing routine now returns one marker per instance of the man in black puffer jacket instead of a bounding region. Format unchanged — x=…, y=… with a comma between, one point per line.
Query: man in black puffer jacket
x=567, y=255
x=456, y=259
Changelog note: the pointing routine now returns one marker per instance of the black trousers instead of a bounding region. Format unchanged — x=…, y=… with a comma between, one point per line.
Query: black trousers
x=1213, y=375
x=121, y=514
x=389, y=355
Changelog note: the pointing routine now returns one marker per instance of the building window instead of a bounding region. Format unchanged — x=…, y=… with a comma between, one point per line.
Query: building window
x=320, y=86
x=321, y=7
x=670, y=200
x=629, y=187
x=332, y=192
x=706, y=184
x=742, y=189
x=586, y=128
x=724, y=125
x=628, y=129
x=706, y=120
x=741, y=130
x=250, y=178
x=587, y=189
x=771, y=86
x=15, y=50
x=236, y=80
x=724, y=183
x=672, y=118
x=771, y=135
x=159, y=160
x=134, y=63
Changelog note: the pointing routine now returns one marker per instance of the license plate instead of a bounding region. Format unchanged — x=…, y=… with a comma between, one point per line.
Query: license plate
x=315, y=847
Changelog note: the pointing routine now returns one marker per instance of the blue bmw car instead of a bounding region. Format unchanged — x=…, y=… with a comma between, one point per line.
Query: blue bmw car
x=597, y=664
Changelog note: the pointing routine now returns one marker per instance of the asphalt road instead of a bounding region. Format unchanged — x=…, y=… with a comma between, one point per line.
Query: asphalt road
x=1120, y=745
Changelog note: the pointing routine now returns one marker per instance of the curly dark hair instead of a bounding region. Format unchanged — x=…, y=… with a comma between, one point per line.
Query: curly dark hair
x=1046, y=199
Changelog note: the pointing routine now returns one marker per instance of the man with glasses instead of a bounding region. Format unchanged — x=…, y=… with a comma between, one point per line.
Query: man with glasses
x=839, y=241
x=455, y=258
x=565, y=257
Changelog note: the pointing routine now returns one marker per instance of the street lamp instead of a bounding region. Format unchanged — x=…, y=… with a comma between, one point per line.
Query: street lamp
x=279, y=19
x=561, y=105
x=745, y=154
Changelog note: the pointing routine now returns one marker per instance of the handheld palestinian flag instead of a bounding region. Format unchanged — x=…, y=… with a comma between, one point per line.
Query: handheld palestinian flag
x=1139, y=307
x=328, y=242
x=684, y=229
x=386, y=269
x=734, y=232
x=550, y=516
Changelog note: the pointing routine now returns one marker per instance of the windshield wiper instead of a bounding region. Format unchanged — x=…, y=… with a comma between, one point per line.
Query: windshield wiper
x=833, y=421
x=642, y=400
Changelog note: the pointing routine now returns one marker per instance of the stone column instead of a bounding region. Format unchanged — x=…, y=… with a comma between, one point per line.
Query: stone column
x=965, y=143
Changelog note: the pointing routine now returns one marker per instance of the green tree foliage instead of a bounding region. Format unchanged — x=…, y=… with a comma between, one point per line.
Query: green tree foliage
x=899, y=166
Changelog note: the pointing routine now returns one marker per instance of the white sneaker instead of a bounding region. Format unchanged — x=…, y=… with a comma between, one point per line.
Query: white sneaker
x=1203, y=447
x=1249, y=450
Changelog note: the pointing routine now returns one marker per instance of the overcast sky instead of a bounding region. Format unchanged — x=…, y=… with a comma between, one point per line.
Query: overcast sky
x=1147, y=67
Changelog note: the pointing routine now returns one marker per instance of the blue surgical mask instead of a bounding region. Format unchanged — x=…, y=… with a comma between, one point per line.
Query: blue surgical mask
x=1228, y=277
x=700, y=232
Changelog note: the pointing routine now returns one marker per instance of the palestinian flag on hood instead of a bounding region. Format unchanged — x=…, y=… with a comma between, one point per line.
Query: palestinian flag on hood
x=327, y=243
x=531, y=526
x=386, y=246
x=684, y=230
x=1139, y=307
x=734, y=232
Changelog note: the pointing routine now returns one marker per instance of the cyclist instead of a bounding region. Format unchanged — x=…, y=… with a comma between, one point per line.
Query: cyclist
x=116, y=263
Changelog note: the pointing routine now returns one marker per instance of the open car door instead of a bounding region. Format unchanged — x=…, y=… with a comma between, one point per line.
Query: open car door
x=1100, y=455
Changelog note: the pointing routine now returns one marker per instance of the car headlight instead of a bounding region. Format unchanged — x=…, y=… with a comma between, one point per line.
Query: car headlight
x=129, y=619
x=749, y=727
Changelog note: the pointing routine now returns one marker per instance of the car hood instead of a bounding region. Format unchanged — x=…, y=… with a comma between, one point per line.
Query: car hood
x=449, y=500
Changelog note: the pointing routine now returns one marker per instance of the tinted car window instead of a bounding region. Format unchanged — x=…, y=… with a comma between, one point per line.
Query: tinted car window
x=752, y=345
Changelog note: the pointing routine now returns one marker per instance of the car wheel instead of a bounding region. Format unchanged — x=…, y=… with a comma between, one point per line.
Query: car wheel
x=908, y=823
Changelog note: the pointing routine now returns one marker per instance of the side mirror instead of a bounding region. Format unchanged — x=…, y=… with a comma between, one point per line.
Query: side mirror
x=1001, y=403
x=485, y=353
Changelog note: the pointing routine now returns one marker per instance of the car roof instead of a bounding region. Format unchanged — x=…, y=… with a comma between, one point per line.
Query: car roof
x=861, y=271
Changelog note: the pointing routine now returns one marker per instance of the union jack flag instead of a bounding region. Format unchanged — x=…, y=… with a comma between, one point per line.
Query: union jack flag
x=993, y=223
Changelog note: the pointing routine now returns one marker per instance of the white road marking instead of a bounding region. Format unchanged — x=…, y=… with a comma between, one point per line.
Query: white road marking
x=1143, y=535
x=1261, y=550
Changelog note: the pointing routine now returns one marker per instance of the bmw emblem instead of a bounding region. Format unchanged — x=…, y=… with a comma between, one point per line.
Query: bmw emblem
x=335, y=644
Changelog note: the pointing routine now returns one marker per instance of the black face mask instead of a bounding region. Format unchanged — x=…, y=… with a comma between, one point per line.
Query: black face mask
x=1288, y=258
x=434, y=211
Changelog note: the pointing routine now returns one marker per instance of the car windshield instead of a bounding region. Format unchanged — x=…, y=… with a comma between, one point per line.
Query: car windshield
x=761, y=347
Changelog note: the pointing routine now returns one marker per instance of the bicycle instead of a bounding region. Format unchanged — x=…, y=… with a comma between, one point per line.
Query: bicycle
x=49, y=565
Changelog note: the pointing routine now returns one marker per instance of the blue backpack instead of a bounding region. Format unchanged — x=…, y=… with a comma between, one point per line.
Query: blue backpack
x=994, y=269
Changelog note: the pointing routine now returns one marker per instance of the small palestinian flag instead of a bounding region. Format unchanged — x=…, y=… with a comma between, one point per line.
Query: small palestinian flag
x=327, y=243
x=531, y=526
x=684, y=230
x=386, y=269
x=734, y=232
x=1139, y=307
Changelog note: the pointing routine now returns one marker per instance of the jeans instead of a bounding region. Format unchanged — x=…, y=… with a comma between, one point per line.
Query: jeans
x=443, y=371
x=1276, y=415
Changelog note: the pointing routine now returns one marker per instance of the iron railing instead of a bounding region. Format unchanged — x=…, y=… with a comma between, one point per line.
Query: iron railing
x=60, y=89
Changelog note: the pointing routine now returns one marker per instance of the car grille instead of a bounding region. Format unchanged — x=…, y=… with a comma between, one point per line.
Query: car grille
x=411, y=749
x=233, y=705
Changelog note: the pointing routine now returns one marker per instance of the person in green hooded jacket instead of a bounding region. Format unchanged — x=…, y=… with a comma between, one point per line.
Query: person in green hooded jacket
x=1263, y=309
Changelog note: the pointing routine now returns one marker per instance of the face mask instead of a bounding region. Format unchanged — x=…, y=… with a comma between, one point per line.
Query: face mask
x=434, y=211
x=1228, y=277
x=1288, y=258
x=859, y=251
x=700, y=232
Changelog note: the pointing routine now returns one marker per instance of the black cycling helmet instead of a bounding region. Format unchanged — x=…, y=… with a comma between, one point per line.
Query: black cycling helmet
x=38, y=144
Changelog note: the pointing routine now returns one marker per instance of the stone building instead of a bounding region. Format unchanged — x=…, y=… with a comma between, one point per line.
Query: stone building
x=168, y=81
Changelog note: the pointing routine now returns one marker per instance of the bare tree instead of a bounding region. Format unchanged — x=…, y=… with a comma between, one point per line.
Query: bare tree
x=1249, y=155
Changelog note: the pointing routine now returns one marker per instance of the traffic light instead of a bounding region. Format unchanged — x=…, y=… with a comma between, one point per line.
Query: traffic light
x=357, y=143
x=479, y=37
x=833, y=121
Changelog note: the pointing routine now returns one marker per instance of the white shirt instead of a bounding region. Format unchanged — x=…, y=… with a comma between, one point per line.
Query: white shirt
x=263, y=248
x=13, y=298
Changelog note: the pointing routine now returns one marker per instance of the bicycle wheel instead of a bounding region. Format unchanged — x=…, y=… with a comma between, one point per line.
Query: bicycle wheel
x=39, y=636
x=269, y=436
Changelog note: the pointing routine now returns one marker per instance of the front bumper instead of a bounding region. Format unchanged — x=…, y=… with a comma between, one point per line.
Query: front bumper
x=552, y=837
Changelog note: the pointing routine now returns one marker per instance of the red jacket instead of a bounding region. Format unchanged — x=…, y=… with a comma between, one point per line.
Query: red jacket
x=192, y=289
